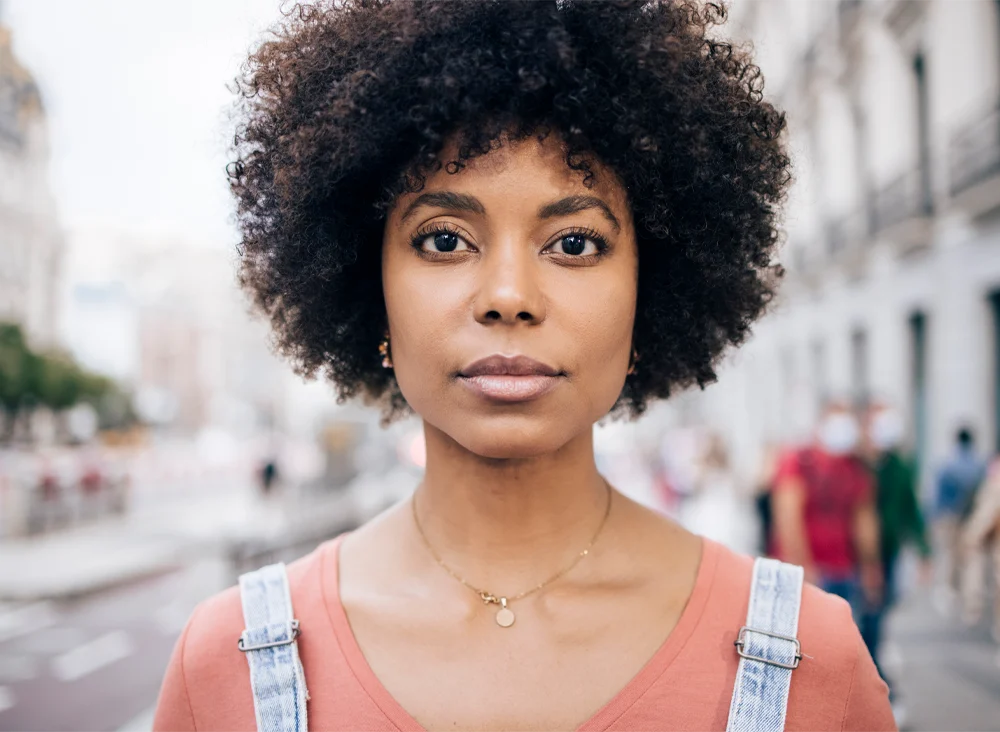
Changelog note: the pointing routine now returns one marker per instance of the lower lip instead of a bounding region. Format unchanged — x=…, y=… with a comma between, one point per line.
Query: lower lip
x=510, y=388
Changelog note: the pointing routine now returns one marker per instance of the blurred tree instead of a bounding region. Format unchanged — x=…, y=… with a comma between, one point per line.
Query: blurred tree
x=14, y=368
x=54, y=380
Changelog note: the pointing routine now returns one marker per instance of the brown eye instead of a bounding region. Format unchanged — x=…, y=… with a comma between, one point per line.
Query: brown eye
x=440, y=242
x=577, y=245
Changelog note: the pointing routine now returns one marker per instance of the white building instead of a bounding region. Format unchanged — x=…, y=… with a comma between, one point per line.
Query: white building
x=893, y=223
x=163, y=315
x=30, y=239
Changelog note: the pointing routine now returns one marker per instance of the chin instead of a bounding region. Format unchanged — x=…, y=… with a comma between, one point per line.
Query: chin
x=516, y=438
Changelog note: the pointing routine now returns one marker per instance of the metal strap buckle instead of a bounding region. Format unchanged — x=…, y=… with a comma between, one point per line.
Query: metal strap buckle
x=295, y=634
x=740, y=643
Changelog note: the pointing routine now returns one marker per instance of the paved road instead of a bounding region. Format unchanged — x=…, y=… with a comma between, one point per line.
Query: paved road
x=96, y=663
x=949, y=675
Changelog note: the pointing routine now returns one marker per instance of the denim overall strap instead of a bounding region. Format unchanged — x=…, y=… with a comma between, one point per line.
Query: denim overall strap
x=768, y=649
x=276, y=674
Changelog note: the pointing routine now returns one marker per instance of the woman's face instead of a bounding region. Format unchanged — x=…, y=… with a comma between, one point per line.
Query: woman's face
x=510, y=289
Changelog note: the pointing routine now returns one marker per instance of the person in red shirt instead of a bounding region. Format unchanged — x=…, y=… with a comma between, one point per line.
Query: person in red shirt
x=825, y=517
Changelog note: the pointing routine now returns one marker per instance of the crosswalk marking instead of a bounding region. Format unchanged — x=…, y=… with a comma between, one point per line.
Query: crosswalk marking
x=17, y=668
x=91, y=656
x=170, y=619
x=54, y=640
x=24, y=619
x=142, y=722
x=6, y=699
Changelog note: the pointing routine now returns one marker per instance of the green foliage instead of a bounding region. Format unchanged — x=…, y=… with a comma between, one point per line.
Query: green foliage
x=14, y=367
x=51, y=379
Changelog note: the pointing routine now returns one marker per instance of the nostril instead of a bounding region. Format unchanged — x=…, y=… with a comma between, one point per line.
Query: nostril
x=493, y=315
x=524, y=316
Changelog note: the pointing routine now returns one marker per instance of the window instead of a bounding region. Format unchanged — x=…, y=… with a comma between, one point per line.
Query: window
x=918, y=385
x=860, y=393
x=926, y=201
x=994, y=299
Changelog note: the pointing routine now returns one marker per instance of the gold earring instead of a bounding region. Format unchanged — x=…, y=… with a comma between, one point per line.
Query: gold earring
x=383, y=348
x=632, y=362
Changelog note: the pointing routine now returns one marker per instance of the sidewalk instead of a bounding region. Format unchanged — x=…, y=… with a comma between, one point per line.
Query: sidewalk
x=948, y=675
x=96, y=556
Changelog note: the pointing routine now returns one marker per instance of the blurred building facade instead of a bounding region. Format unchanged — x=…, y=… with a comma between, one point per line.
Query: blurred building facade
x=31, y=243
x=892, y=289
x=163, y=314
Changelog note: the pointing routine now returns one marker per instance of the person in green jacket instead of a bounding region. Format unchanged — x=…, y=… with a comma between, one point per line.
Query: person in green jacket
x=900, y=519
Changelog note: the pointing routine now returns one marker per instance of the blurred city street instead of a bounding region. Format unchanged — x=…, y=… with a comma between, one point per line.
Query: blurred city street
x=153, y=446
x=88, y=615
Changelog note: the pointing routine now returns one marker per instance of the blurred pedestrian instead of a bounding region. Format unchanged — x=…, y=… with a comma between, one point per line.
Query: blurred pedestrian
x=900, y=521
x=763, y=486
x=824, y=512
x=268, y=476
x=718, y=510
x=980, y=544
x=957, y=484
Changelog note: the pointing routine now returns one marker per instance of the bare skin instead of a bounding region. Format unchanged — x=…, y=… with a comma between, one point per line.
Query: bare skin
x=511, y=492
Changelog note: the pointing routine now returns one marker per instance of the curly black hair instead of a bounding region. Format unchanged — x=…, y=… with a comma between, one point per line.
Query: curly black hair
x=349, y=103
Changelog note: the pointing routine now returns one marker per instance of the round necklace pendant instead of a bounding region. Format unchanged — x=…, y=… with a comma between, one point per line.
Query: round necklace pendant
x=505, y=618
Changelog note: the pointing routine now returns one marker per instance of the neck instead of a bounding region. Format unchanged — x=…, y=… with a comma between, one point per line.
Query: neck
x=509, y=522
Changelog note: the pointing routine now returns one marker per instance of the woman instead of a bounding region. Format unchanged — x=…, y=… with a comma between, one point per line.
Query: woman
x=510, y=218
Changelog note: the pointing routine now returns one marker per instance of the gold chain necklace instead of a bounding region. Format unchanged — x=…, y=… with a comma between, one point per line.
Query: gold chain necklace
x=505, y=617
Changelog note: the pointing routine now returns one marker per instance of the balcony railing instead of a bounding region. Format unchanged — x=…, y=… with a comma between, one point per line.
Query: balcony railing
x=11, y=99
x=845, y=233
x=902, y=15
x=974, y=152
x=848, y=6
x=904, y=198
x=836, y=236
x=848, y=12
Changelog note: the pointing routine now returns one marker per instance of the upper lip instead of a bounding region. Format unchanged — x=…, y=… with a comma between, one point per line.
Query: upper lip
x=500, y=365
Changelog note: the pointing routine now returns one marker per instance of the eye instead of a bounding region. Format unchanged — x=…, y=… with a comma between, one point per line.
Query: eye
x=582, y=244
x=439, y=241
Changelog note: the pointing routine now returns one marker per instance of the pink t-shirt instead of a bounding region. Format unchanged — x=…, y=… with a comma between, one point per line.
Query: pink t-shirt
x=686, y=685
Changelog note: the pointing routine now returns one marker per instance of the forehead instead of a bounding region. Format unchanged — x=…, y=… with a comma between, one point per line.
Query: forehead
x=522, y=172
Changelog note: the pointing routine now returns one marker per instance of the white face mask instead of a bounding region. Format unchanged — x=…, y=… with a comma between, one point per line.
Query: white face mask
x=838, y=433
x=887, y=430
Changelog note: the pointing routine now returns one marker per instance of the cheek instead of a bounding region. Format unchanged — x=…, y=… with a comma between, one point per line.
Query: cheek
x=600, y=320
x=424, y=309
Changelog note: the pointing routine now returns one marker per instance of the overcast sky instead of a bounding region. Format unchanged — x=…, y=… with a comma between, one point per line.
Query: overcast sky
x=136, y=98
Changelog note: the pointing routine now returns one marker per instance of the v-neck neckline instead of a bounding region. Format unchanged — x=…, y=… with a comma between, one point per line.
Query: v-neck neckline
x=600, y=720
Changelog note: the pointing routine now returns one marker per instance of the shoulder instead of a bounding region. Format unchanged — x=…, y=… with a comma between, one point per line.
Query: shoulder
x=836, y=684
x=213, y=669
x=217, y=622
x=790, y=461
x=826, y=627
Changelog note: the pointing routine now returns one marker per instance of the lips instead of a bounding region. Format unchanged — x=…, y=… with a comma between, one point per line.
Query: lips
x=509, y=378
x=499, y=365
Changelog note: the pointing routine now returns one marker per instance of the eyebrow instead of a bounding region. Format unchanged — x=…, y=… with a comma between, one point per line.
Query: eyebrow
x=470, y=204
x=445, y=199
x=572, y=204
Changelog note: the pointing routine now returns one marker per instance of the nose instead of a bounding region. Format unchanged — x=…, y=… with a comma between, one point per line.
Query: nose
x=509, y=290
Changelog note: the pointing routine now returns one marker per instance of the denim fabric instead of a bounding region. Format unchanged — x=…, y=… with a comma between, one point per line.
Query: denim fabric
x=760, y=695
x=872, y=617
x=276, y=674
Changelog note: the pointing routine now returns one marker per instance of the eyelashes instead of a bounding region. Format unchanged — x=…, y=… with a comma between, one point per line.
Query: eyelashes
x=582, y=235
x=450, y=235
x=451, y=241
